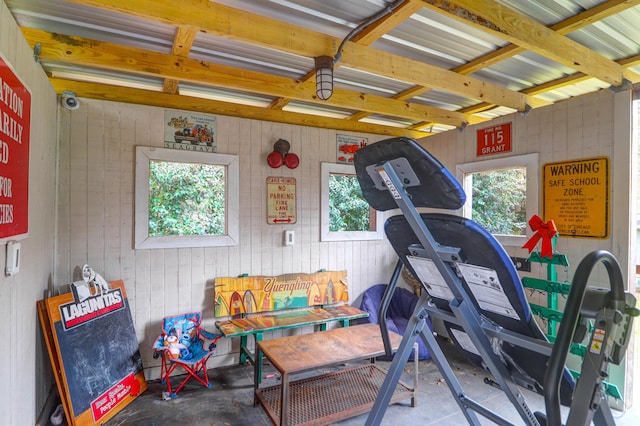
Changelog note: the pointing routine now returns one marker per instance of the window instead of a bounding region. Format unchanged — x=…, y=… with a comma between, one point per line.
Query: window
x=185, y=199
x=346, y=215
x=502, y=195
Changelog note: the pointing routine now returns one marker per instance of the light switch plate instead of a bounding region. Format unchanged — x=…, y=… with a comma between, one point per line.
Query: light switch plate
x=13, y=258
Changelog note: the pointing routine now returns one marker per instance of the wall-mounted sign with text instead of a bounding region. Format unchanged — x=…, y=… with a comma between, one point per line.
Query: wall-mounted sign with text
x=190, y=131
x=576, y=197
x=493, y=140
x=347, y=146
x=15, y=127
x=281, y=200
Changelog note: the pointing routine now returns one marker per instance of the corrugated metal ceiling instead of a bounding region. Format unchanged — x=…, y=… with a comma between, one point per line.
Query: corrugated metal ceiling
x=437, y=33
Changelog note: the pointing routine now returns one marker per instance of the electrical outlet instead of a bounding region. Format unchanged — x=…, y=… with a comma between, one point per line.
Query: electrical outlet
x=522, y=264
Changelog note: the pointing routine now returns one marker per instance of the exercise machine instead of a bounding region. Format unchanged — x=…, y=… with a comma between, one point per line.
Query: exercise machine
x=471, y=284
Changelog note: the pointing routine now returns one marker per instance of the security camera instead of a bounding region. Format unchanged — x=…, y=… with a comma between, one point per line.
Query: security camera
x=69, y=101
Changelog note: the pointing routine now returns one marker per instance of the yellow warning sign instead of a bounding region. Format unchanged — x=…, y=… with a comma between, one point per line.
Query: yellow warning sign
x=576, y=197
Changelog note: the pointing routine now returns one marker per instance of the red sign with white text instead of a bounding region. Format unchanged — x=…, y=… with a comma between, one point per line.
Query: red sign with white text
x=494, y=140
x=106, y=402
x=15, y=126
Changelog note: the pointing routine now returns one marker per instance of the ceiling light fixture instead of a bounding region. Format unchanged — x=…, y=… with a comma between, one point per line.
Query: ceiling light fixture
x=324, y=77
x=324, y=64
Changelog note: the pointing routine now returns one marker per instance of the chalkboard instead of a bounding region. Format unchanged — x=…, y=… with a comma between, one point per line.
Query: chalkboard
x=93, y=343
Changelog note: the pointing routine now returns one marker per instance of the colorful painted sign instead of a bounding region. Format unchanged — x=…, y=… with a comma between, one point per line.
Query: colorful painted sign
x=576, y=197
x=281, y=200
x=243, y=295
x=493, y=140
x=15, y=128
x=347, y=146
x=190, y=131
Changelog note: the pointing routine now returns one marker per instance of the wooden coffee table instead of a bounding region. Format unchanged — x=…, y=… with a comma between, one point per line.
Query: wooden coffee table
x=325, y=397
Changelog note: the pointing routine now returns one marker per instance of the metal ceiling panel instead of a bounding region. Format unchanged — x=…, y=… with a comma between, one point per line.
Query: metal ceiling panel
x=437, y=40
x=428, y=36
x=224, y=51
x=59, y=16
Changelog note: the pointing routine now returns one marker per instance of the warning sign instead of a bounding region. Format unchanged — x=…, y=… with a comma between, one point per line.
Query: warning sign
x=576, y=197
x=281, y=200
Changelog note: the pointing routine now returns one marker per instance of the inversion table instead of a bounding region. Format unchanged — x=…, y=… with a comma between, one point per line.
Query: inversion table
x=472, y=285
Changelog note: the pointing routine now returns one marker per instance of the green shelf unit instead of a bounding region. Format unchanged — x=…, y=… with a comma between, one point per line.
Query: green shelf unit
x=550, y=285
x=556, y=259
x=545, y=285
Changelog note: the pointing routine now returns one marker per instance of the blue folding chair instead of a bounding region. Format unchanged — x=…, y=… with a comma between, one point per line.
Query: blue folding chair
x=182, y=344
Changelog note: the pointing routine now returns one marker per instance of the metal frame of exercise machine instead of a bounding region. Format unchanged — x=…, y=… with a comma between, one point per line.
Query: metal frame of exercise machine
x=611, y=310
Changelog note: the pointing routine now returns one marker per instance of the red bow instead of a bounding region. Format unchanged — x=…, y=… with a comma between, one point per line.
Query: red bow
x=544, y=231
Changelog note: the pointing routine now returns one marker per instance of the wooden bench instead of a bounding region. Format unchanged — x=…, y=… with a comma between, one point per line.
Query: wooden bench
x=326, y=397
x=263, y=304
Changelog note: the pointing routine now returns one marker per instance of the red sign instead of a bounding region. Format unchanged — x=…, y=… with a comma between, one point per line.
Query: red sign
x=494, y=140
x=15, y=125
x=106, y=402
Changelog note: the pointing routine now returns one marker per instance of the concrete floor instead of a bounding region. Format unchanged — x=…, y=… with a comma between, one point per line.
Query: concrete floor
x=230, y=400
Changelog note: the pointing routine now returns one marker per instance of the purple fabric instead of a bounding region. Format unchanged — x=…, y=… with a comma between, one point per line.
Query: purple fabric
x=400, y=310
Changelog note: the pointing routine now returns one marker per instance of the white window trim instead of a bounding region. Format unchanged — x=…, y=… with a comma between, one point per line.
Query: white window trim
x=144, y=155
x=325, y=235
x=529, y=161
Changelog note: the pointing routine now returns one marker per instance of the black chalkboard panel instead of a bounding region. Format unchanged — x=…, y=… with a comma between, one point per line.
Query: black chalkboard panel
x=94, y=344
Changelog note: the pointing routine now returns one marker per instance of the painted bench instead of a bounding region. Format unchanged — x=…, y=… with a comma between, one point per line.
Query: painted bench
x=263, y=304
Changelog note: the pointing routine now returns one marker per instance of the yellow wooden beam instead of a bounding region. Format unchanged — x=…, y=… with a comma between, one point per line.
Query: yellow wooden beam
x=57, y=47
x=182, y=43
x=239, y=25
x=368, y=35
x=573, y=23
x=506, y=23
x=190, y=103
x=376, y=30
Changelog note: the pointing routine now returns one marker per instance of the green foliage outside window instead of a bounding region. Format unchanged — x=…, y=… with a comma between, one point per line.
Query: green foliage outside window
x=348, y=210
x=499, y=201
x=186, y=199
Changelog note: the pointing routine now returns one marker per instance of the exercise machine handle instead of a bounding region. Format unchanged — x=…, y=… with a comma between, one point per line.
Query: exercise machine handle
x=569, y=322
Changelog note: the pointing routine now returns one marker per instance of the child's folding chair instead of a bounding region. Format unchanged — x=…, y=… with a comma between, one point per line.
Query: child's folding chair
x=181, y=344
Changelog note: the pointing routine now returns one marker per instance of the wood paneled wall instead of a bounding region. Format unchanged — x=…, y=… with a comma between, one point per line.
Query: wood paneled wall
x=96, y=213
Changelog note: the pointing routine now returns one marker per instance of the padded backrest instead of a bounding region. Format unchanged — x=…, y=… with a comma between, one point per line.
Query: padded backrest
x=435, y=187
x=184, y=327
x=477, y=247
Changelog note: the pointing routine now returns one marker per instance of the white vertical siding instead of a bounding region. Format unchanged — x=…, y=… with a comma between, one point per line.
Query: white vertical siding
x=25, y=374
x=96, y=146
x=589, y=126
x=96, y=211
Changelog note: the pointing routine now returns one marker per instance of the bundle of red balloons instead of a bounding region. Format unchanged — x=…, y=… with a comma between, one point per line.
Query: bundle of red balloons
x=281, y=155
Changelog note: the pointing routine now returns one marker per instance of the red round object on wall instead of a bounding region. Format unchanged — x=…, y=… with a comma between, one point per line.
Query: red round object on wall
x=275, y=160
x=291, y=161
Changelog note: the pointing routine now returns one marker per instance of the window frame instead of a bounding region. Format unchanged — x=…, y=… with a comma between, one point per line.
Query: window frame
x=325, y=234
x=144, y=156
x=529, y=162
